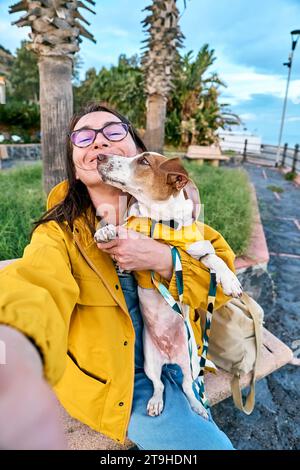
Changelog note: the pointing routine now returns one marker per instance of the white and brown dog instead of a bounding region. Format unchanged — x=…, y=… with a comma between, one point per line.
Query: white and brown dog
x=161, y=188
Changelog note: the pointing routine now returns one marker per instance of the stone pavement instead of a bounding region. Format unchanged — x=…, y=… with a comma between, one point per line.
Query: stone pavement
x=275, y=421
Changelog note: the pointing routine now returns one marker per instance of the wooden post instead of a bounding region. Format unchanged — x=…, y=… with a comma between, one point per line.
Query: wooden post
x=284, y=154
x=295, y=158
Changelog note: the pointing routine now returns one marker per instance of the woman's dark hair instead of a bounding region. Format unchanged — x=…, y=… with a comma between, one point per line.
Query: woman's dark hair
x=77, y=200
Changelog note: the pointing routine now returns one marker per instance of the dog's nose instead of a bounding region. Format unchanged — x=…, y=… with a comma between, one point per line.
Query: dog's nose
x=101, y=158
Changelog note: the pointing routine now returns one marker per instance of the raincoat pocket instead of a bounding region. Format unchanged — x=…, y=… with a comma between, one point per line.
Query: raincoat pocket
x=82, y=394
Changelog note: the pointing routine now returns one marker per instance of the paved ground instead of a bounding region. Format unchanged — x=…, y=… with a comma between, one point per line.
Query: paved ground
x=275, y=422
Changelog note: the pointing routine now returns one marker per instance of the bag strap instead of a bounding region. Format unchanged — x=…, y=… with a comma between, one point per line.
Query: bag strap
x=248, y=407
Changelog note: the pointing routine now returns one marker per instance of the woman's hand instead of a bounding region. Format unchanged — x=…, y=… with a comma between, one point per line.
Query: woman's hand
x=29, y=414
x=134, y=251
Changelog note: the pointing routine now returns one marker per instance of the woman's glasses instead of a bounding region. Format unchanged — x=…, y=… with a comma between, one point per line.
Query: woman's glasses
x=113, y=131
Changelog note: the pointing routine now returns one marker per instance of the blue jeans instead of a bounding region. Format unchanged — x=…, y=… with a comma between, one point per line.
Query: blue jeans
x=178, y=427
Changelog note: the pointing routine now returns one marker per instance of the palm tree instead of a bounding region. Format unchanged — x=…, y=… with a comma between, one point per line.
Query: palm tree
x=55, y=34
x=121, y=86
x=196, y=99
x=158, y=62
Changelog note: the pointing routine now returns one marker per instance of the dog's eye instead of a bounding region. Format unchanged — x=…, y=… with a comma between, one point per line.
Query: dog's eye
x=143, y=161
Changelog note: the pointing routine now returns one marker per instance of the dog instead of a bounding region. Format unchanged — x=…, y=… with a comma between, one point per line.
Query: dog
x=159, y=186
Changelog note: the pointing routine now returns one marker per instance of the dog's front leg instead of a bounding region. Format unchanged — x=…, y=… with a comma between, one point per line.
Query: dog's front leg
x=153, y=367
x=153, y=307
x=230, y=284
x=106, y=233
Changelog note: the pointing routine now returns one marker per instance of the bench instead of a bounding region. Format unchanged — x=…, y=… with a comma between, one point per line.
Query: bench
x=201, y=153
x=274, y=355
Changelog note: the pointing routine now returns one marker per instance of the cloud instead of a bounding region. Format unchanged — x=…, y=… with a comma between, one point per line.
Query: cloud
x=267, y=110
x=293, y=119
x=255, y=33
x=248, y=117
x=243, y=82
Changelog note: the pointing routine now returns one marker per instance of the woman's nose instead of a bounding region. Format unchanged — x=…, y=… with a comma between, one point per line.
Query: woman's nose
x=100, y=141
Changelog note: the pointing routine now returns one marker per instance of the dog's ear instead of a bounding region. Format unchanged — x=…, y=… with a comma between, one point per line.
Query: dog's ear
x=192, y=193
x=177, y=176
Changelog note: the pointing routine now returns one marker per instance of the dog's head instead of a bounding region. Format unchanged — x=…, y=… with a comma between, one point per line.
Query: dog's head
x=147, y=176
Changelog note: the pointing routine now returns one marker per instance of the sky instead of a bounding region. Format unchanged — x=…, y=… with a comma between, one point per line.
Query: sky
x=251, y=40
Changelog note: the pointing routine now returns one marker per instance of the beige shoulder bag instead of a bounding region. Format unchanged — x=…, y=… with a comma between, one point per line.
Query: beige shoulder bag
x=235, y=344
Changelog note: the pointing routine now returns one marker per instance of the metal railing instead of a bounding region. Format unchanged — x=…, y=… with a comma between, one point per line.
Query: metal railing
x=289, y=157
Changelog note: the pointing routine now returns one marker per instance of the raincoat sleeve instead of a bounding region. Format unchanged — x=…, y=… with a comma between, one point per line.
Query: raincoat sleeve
x=196, y=276
x=38, y=294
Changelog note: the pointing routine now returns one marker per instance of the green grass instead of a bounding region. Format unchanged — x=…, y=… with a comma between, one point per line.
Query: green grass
x=275, y=189
x=229, y=153
x=21, y=202
x=290, y=176
x=225, y=194
x=226, y=199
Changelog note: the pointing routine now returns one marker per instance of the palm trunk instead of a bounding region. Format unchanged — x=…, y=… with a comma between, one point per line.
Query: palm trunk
x=155, y=127
x=56, y=104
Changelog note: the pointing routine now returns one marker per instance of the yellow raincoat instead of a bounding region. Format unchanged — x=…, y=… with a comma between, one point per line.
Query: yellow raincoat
x=65, y=295
x=181, y=238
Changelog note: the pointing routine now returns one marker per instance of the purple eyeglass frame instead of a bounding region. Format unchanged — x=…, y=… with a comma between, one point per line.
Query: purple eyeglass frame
x=96, y=132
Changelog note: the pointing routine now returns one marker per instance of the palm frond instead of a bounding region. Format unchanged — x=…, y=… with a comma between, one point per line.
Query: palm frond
x=56, y=27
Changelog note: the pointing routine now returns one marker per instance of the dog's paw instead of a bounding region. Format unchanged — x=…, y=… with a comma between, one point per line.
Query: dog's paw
x=230, y=284
x=105, y=234
x=155, y=406
x=199, y=409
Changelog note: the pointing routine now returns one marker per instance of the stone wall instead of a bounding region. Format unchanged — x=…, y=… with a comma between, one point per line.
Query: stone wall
x=30, y=152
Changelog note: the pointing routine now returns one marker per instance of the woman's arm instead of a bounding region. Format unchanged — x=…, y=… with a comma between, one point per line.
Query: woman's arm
x=18, y=344
x=163, y=261
x=136, y=252
x=29, y=416
x=38, y=295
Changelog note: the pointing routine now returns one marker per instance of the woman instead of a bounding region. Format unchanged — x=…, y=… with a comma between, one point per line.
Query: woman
x=67, y=297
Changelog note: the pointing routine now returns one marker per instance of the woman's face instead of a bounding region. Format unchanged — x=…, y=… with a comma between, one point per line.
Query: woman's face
x=85, y=158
